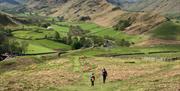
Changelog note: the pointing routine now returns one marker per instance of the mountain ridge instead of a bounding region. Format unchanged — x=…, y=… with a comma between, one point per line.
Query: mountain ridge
x=163, y=7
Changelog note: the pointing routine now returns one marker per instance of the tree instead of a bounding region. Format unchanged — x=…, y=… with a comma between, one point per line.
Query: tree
x=76, y=31
x=56, y=36
x=85, y=18
x=97, y=41
x=86, y=42
x=2, y=37
x=24, y=46
x=123, y=43
x=76, y=43
x=45, y=25
x=122, y=24
x=13, y=47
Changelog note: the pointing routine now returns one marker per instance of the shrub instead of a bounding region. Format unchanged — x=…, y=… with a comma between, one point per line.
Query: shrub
x=123, y=43
x=56, y=35
x=122, y=24
x=76, y=31
x=116, y=8
x=85, y=18
x=97, y=41
x=76, y=43
x=86, y=42
x=45, y=25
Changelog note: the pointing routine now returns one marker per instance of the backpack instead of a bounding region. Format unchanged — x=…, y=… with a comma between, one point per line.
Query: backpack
x=93, y=78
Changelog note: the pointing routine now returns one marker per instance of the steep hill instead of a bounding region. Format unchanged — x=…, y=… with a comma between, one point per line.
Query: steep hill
x=12, y=6
x=8, y=20
x=8, y=4
x=9, y=1
x=100, y=12
x=43, y=4
x=106, y=14
x=164, y=7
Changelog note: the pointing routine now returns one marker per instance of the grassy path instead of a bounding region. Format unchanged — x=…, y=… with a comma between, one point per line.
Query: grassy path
x=149, y=82
x=76, y=64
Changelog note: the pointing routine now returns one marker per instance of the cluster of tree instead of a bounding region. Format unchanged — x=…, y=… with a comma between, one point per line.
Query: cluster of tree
x=76, y=31
x=84, y=41
x=6, y=32
x=11, y=46
x=122, y=24
x=85, y=18
x=124, y=43
x=45, y=25
x=79, y=38
x=54, y=36
x=61, y=18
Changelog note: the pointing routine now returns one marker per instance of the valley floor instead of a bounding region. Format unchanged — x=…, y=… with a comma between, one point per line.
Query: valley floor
x=72, y=74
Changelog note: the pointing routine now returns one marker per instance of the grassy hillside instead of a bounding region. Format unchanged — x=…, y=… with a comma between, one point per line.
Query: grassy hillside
x=45, y=46
x=72, y=74
x=157, y=51
x=167, y=31
x=38, y=49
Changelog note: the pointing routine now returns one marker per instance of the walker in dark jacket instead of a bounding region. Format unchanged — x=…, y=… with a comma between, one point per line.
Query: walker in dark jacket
x=104, y=74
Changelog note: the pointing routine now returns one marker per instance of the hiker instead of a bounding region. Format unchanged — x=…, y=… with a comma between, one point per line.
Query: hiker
x=92, y=79
x=104, y=74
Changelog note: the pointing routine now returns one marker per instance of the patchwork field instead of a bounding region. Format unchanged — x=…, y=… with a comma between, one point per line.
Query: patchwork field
x=36, y=36
x=97, y=30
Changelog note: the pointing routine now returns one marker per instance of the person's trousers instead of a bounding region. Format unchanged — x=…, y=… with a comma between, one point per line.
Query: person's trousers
x=92, y=83
x=104, y=79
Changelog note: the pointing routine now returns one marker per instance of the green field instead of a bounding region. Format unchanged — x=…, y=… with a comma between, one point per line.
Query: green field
x=45, y=46
x=61, y=30
x=28, y=35
x=37, y=49
x=51, y=44
x=124, y=50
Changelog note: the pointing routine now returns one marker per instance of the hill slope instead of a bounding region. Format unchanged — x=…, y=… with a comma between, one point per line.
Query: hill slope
x=8, y=4
x=105, y=14
x=6, y=19
x=165, y=7
x=72, y=74
x=101, y=12
x=9, y=1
